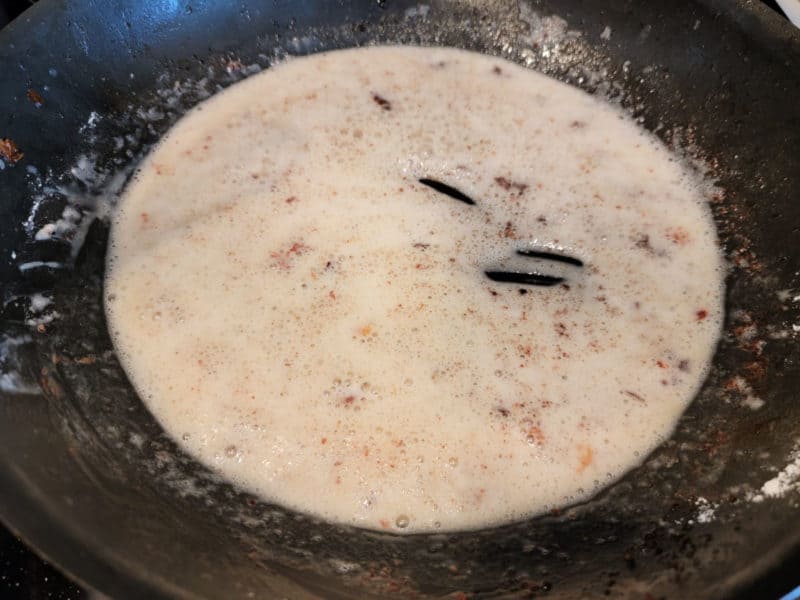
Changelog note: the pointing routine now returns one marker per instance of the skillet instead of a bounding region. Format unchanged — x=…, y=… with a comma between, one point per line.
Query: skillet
x=89, y=478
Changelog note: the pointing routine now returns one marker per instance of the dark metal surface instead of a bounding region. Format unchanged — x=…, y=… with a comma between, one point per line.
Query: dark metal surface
x=91, y=480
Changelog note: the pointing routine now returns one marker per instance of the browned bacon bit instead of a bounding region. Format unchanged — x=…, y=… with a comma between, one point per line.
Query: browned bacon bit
x=35, y=97
x=585, y=457
x=535, y=434
x=643, y=242
x=701, y=314
x=283, y=259
x=634, y=395
x=678, y=235
x=508, y=185
x=381, y=101
x=10, y=151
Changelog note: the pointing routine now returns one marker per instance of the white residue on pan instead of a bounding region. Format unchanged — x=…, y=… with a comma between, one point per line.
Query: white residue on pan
x=38, y=313
x=421, y=11
x=63, y=228
x=606, y=34
x=42, y=319
x=706, y=510
x=739, y=387
x=39, y=302
x=11, y=379
x=786, y=482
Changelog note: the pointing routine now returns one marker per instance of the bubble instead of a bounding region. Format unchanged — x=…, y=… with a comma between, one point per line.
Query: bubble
x=231, y=451
x=402, y=521
x=452, y=461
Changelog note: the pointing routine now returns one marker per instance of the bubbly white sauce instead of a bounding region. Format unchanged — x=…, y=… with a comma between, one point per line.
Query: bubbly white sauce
x=306, y=317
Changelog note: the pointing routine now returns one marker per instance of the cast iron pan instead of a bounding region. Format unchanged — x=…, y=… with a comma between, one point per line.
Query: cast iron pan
x=90, y=479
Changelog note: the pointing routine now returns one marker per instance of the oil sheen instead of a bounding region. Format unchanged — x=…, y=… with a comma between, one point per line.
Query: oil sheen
x=305, y=317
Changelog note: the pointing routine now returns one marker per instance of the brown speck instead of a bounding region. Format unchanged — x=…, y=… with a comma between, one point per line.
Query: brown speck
x=497, y=70
x=541, y=219
x=10, y=151
x=661, y=364
x=283, y=259
x=683, y=365
x=509, y=231
x=755, y=370
x=633, y=395
x=535, y=435
x=381, y=101
x=365, y=330
x=291, y=200
x=332, y=295
x=577, y=124
x=323, y=441
x=384, y=523
x=643, y=243
x=561, y=329
x=35, y=97
x=522, y=291
x=585, y=456
x=501, y=410
x=509, y=185
x=349, y=400
x=678, y=235
x=493, y=292
x=701, y=314
x=422, y=246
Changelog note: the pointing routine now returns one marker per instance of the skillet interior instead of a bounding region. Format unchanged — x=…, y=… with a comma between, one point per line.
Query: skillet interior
x=89, y=478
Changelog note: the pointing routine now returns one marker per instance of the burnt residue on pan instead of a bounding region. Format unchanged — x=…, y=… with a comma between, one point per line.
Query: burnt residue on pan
x=694, y=519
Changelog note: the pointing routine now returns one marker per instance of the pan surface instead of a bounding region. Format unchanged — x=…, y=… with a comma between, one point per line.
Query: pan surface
x=89, y=477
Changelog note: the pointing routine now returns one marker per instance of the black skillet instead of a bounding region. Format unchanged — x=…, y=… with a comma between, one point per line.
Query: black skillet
x=89, y=478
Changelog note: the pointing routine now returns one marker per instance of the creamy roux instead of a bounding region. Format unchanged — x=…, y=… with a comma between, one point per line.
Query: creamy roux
x=311, y=321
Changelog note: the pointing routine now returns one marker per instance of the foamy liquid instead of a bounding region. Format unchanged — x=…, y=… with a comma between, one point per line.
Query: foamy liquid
x=303, y=315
